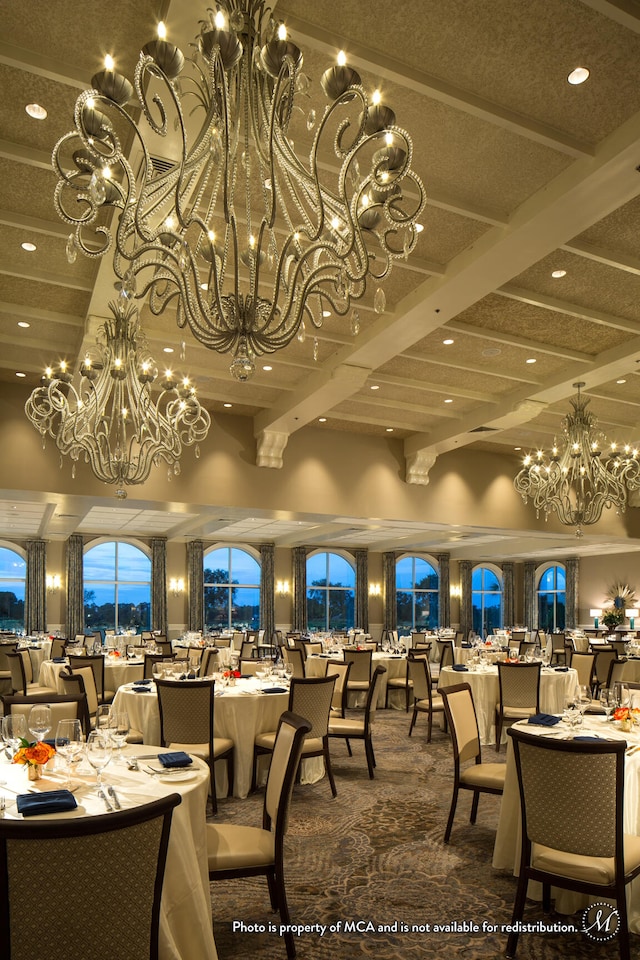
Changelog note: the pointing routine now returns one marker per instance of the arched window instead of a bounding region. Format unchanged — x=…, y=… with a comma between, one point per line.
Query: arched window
x=552, y=599
x=117, y=587
x=231, y=589
x=416, y=594
x=331, y=588
x=486, y=600
x=13, y=572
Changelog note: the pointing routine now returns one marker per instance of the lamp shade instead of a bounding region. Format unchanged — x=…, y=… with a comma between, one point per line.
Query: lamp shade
x=596, y=612
x=632, y=612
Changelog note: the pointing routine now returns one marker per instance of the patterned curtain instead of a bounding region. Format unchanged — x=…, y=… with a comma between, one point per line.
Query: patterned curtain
x=444, y=590
x=159, y=617
x=195, y=575
x=508, y=594
x=362, y=589
x=389, y=605
x=299, y=577
x=75, y=586
x=267, y=590
x=572, y=566
x=530, y=599
x=35, y=608
x=466, y=607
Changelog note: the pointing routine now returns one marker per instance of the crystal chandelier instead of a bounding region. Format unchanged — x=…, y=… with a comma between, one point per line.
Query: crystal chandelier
x=110, y=416
x=578, y=481
x=205, y=201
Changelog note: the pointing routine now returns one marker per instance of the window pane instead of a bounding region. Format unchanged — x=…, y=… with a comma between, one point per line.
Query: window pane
x=245, y=607
x=404, y=600
x=216, y=566
x=546, y=580
x=100, y=562
x=426, y=577
x=492, y=606
x=340, y=609
x=317, y=609
x=134, y=607
x=476, y=578
x=491, y=581
x=561, y=579
x=11, y=564
x=341, y=573
x=426, y=609
x=133, y=564
x=244, y=569
x=216, y=607
x=12, y=604
x=100, y=606
x=404, y=573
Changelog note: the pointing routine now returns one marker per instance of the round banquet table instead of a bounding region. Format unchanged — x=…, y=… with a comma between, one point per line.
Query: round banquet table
x=506, y=851
x=117, y=670
x=554, y=687
x=394, y=663
x=240, y=713
x=462, y=654
x=186, y=931
x=39, y=651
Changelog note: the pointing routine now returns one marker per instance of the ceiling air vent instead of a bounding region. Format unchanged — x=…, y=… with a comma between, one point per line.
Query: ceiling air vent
x=161, y=165
x=484, y=430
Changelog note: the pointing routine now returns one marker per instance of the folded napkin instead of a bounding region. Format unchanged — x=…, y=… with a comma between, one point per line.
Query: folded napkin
x=561, y=669
x=176, y=759
x=460, y=667
x=275, y=690
x=467, y=646
x=585, y=737
x=53, y=801
x=544, y=720
x=51, y=741
x=59, y=660
x=141, y=683
x=141, y=689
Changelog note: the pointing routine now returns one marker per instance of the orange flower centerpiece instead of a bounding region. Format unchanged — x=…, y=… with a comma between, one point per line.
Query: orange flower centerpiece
x=34, y=756
x=231, y=676
x=627, y=716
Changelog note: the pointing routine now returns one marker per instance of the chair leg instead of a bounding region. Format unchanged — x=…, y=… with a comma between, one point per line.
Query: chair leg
x=349, y=750
x=474, y=807
x=546, y=898
x=498, y=731
x=283, y=907
x=230, y=774
x=429, y=726
x=327, y=766
x=623, y=929
x=452, y=813
x=371, y=760
x=254, y=772
x=273, y=893
x=413, y=720
x=518, y=912
x=214, y=799
x=406, y=698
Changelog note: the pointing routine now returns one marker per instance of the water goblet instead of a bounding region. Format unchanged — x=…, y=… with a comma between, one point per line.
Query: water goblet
x=40, y=720
x=607, y=699
x=14, y=730
x=98, y=753
x=69, y=742
x=104, y=719
x=120, y=731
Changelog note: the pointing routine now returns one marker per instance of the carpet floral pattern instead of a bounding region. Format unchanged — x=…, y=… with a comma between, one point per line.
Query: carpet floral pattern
x=368, y=874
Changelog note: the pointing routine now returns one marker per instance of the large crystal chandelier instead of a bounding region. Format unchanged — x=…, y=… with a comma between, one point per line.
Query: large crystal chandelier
x=230, y=197
x=109, y=416
x=577, y=481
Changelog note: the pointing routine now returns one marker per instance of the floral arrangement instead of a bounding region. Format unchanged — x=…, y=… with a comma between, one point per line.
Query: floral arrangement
x=627, y=713
x=33, y=754
x=228, y=674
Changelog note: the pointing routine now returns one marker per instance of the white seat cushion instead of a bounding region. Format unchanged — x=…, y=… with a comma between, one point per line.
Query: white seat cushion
x=592, y=869
x=345, y=727
x=232, y=846
x=484, y=775
x=220, y=745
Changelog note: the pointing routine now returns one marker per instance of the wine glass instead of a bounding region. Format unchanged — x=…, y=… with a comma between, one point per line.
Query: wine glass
x=607, y=700
x=15, y=730
x=40, y=720
x=69, y=742
x=98, y=753
x=120, y=730
x=104, y=719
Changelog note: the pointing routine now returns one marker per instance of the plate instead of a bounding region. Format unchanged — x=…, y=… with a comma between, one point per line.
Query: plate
x=180, y=776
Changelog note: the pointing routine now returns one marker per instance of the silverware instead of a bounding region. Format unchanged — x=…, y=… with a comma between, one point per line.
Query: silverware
x=114, y=797
x=107, y=802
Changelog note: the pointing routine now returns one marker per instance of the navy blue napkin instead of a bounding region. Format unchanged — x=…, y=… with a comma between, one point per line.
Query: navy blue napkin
x=585, y=737
x=275, y=690
x=561, y=669
x=59, y=660
x=176, y=759
x=467, y=646
x=53, y=801
x=141, y=683
x=141, y=689
x=51, y=741
x=460, y=667
x=544, y=720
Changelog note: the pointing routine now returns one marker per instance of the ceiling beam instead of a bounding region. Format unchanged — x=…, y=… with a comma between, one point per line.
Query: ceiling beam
x=482, y=333
x=623, y=12
x=570, y=309
x=48, y=67
x=606, y=257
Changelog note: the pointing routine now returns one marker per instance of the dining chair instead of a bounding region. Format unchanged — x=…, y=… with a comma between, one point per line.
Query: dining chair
x=294, y=657
x=97, y=665
x=210, y=661
x=64, y=706
x=424, y=700
x=186, y=723
x=457, y=641
x=348, y=729
x=57, y=648
x=601, y=668
x=5, y=667
x=558, y=649
x=311, y=647
x=150, y=660
x=526, y=648
x=583, y=664
x=340, y=670
x=236, y=851
x=21, y=668
x=125, y=844
x=620, y=646
x=446, y=658
x=248, y=650
x=517, y=636
x=360, y=675
x=582, y=847
x=310, y=698
x=401, y=682
x=478, y=777
x=82, y=681
x=519, y=685
x=164, y=646
x=237, y=639
x=617, y=670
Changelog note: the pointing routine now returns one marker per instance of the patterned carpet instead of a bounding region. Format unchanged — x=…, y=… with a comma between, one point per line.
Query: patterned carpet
x=375, y=856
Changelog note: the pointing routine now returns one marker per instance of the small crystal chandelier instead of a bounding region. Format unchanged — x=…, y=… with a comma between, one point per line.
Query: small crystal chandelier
x=110, y=417
x=213, y=208
x=578, y=481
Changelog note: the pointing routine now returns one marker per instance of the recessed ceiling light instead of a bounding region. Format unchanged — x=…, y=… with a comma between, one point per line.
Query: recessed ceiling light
x=448, y=401
x=517, y=448
x=326, y=313
x=557, y=274
x=447, y=343
x=578, y=76
x=204, y=286
x=23, y=323
x=29, y=247
x=531, y=360
x=621, y=381
x=389, y=429
x=167, y=349
x=375, y=387
x=322, y=419
x=419, y=227
x=267, y=367
x=20, y=374
x=227, y=404
x=36, y=111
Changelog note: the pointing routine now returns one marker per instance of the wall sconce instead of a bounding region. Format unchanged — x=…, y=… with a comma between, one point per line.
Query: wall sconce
x=282, y=588
x=54, y=581
x=632, y=613
x=455, y=591
x=176, y=585
x=596, y=612
x=375, y=589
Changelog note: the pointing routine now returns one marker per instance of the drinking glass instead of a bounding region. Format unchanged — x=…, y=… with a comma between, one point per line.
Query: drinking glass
x=583, y=698
x=69, y=742
x=40, y=720
x=607, y=700
x=120, y=730
x=571, y=713
x=98, y=753
x=104, y=719
x=15, y=730
x=131, y=651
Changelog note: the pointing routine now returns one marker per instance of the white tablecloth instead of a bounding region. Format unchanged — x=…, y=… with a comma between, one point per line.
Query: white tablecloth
x=506, y=851
x=240, y=713
x=117, y=670
x=554, y=687
x=186, y=931
x=394, y=664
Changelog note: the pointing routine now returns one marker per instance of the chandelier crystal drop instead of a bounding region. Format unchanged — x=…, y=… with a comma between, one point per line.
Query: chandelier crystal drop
x=578, y=479
x=109, y=415
x=232, y=198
